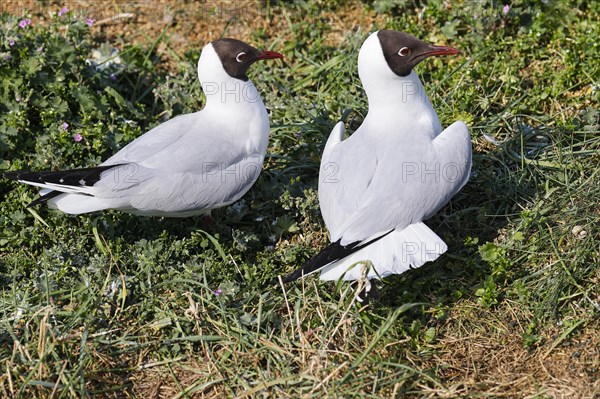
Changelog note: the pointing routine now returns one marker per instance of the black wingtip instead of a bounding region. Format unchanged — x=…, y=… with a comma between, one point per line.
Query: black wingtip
x=18, y=175
x=12, y=174
x=71, y=177
x=25, y=175
x=329, y=254
x=333, y=252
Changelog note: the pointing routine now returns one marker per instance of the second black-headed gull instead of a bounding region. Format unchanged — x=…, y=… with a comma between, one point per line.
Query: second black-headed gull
x=399, y=168
x=186, y=166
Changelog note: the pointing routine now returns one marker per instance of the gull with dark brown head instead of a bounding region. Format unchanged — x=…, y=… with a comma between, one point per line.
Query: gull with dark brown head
x=396, y=170
x=186, y=166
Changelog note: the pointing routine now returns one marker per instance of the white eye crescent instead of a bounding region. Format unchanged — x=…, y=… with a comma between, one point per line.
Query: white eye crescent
x=404, y=51
x=240, y=57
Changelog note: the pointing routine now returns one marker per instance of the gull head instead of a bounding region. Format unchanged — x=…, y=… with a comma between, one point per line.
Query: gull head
x=229, y=58
x=398, y=52
x=403, y=52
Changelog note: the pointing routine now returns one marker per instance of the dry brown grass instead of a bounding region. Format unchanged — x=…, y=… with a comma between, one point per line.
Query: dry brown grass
x=483, y=350
x=190, y=25
x=478, y=351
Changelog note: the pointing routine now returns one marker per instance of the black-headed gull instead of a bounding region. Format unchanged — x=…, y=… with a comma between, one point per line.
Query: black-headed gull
x=186, y=166
x=399, y=168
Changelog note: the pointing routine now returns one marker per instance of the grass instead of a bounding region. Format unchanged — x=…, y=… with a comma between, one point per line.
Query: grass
x=114, y=305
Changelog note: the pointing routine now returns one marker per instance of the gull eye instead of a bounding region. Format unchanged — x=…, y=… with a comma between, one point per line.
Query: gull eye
x=404, y=51
x=241, y=57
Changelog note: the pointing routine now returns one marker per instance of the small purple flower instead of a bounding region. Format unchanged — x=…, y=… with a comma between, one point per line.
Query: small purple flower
x=11, y=43
x=89, y=21
x=24, y=23
x=63, y=11
x=39, y=49
x=112, y=76
x=218, y=292
x=77, y=137
x=506, y=9
x=18, y=99
x=65, y=126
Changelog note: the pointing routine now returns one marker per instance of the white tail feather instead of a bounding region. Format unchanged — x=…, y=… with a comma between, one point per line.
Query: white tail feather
x=59, y=187
x=74, y=200
x=76, y=204
x=393, y=254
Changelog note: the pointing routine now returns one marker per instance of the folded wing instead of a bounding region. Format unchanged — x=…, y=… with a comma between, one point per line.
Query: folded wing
x=388, y=187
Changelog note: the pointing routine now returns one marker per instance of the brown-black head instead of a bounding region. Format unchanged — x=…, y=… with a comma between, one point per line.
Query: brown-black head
x=237, y=56
x=403, y=52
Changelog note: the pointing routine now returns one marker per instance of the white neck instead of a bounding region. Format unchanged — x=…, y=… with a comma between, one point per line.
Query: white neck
x=233, y=100
x=394, y=101
x=234, y=96
x=222, y=90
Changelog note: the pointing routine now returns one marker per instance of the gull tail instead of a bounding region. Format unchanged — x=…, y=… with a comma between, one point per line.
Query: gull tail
x=392, y=253
x=332, y=253
x=68, y=190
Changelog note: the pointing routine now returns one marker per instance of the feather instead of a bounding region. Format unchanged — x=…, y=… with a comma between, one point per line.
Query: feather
x=332, y=253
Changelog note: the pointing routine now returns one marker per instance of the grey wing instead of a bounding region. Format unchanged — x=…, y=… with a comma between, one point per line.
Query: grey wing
x=155, y=192
x=181, y=164
x=155, y=140
x=455, y=155
x=187, y=142
x=347, y=168
x=411, y=186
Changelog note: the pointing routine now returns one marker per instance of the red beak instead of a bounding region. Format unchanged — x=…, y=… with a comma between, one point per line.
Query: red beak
x=440, y=50
x=267, y=55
